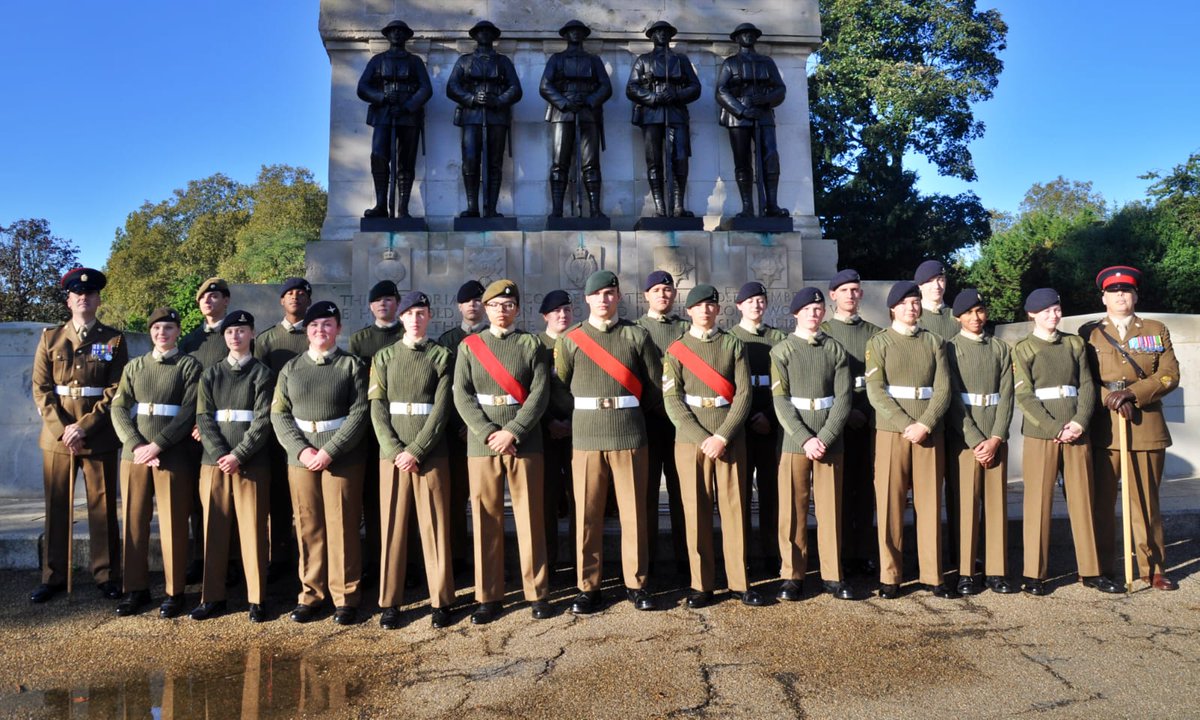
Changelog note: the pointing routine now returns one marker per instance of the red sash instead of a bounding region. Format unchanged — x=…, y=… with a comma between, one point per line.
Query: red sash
x=609, y=364
x=495, y=368
x=716, y=382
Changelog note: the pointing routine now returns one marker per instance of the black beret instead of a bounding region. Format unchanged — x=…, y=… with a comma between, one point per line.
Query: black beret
x=295, y=283
x=1119, y=277
x=383, y=288
x=1041, y=299
x=702, y=293
x=163, y=314
x=482, y=25
x=470, y=290
x=323, y=309
x=412, y=299
x=237, y=317
x=749, y=290
x=844, y=276
x=658, y=277
x=83, y=280
x=397, y=25
x=901, y=290
x=562, y=31
x=806, y=296
x=599, y=280
x=966, y=300
x=927, y=271
x=502, y=288
x=661, y=24
x=554, y=300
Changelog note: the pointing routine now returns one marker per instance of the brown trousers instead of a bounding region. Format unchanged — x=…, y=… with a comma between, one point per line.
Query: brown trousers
x=798, y=478
x=1043, y=460
x=592, y=472
x=525, y=487
x=428, y=492
x=899, y=467
x=327, y=506
x=703, y=484
x=245, y=494
x=980, y=487
x=100, y=474
x=171, y=485
x=762, y=473
x=1148, y=542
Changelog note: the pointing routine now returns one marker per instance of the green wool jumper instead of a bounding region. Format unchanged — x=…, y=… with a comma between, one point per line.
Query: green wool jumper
x=578, y=375
x=275, y=346
x=334, y=387
x=811, y=369
x=560, y=406
x=665, y=331
x=423, y=373
x=371, y=339
x=1039, y=363
x=207, y=346
x=758, y=354
x=979, y=367
x=172, y=381
x=525, y=358
x=911, y=361
x=853, y=337
x=223, y=387
x=941, y=322
x=724, y=353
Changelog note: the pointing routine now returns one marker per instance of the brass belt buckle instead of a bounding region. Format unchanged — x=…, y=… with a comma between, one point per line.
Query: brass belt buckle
x=498, y=400
x=606, y=403
x=708, y=402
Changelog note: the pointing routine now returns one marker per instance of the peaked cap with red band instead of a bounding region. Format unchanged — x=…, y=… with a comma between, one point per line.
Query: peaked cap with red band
x=1118, y=277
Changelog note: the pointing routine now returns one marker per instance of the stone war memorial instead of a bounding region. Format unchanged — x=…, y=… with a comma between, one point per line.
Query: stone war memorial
x=481, y=162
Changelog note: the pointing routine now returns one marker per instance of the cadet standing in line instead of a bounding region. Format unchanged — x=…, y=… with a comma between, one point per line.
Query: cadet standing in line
x=558, y=314
x=76, y=370
x=860, y=546
x=707, y=396
x=1054, y=388
x=153, y=413
x=762, y=432
x=664, y=329
x=233, y=413
x=908, y=384
x=1136, y=367
x=383, y=300
x=501, y=390
x=410, y=399
x=810, y=385
x=612, y=369
x=319, y=414
x=981, y=409
x=275, y=347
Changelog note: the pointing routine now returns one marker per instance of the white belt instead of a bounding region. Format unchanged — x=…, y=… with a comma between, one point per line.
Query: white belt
x=410, y=408
x=68, y=391
x=154, y=409
x=234, y=415
x=497, y=399
x=760, y=381
x=980, y=399
x=1054, y=393
x=823, y=403
x=905, y=392
x=860, y=381
x=707, y=402
x=319, y=425
x=621, y=402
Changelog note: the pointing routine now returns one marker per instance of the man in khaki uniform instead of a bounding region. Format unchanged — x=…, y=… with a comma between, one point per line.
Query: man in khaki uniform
x=76, y=369
x=1135, y=364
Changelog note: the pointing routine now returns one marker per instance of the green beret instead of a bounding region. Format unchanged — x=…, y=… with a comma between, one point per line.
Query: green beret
x=702, y=293
x=599, y=280
x=162, y=314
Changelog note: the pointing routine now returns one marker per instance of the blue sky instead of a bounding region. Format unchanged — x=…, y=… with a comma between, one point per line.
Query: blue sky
x=109, y=105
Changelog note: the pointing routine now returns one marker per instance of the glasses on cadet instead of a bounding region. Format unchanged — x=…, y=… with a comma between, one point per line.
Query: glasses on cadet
x=505, y=306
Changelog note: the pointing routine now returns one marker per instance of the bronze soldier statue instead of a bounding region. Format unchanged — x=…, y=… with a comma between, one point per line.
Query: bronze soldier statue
x=396, y=85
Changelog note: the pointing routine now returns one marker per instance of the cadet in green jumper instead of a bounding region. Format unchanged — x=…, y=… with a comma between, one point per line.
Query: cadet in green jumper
x=558, y=314
x=977, y=442
x=1054, y=387
x=810, y=385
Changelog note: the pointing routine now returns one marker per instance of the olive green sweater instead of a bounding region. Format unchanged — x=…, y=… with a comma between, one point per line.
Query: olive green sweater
x=853, y=337
x=206, y=346
x=811, y=369
x=560, y=406
x=980, y=367
x=941, y=323
x=420, y=374
x=172, y=381
x=275, y=346
x=911, y=361
x=224, y=387
x=724, y=353
x=1038, y=363
x=758, y=354
x=524, y=356
x=333, y=388
x=371, y=339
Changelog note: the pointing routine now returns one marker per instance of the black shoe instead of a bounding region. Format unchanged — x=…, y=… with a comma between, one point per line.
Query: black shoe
x=133, y=603
x=257, y=613
x=195, y=573
x=204, y=610
x=944, y=591
x=838, y=589
x=790, y=590
x=888, y=591
x=345, y=615
x=440, y=617
x=697, y=599
x=171, y=606
x=1000, y=584
x=485, y=613
x=110, y=589
x=44, y=592
x=303, y=613
x=752, y=597
x=390, y=619
x=1033, y=586
x=1103, y=583
x=968, y=586
x=641, y=599
x=587, y=602
x=542, y=610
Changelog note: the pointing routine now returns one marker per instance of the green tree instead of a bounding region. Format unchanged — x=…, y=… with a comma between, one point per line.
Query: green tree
x=32, y=263
x=289, y=207
x=1064, y=197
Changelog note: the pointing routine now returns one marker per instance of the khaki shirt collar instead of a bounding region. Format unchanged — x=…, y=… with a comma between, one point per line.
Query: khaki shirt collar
x=704, y=335
x=1048, y=337
x=161, y=356
x=238, y=363
x=905, y=330
x=290, y=327
x=600, y=324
